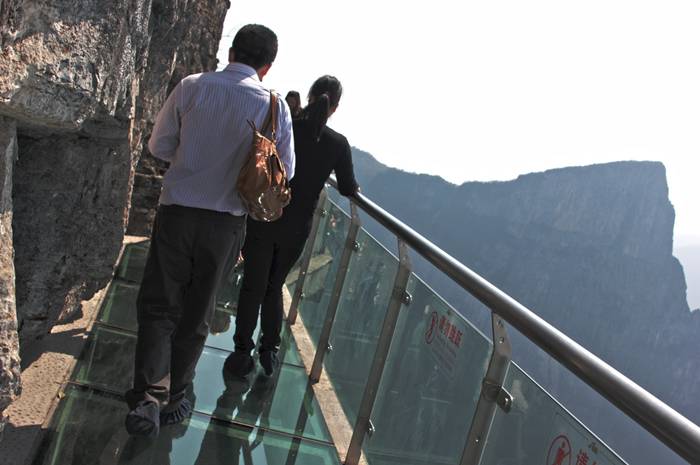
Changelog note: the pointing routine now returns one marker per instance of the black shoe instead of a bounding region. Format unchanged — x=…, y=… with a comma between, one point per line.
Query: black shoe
x=239, y=364
x=269, y=362
x=176, y=414
x=143, y=420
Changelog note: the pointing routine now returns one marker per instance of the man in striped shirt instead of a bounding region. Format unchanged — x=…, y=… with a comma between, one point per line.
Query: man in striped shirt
x=203, y=131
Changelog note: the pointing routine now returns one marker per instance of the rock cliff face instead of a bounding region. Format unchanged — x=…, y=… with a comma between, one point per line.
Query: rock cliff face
x=9, y=344
x=590, y=250
x=80, y=84
x=690, y=257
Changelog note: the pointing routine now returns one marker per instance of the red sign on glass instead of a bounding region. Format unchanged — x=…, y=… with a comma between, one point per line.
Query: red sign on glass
x=559, y=452
x=441, y=325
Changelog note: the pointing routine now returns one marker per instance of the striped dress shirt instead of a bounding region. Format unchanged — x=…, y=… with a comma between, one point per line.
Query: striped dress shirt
x=203, y=131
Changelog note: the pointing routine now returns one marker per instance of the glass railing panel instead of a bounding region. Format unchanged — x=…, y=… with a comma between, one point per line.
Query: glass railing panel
x=291, y=280
x=540, y=430
x=431, y=384
x=323, y=269
x=88, y=428
x=292, y=276
x=363, y=304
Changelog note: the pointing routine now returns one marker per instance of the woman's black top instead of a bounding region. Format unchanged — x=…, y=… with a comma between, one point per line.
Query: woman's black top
x=315, y=160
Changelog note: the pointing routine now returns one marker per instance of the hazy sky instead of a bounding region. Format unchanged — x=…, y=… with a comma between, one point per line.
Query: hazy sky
x=489, y=90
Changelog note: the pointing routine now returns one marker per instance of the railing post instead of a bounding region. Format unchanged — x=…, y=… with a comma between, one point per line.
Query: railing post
x=306, y=258
x=399, y=297
x=324, y=338
x=493, y=394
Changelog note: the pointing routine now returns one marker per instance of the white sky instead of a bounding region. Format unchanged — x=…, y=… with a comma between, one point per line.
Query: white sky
x=489, y=90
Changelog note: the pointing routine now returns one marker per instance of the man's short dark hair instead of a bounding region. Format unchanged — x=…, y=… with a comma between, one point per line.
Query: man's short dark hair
x=255, y=46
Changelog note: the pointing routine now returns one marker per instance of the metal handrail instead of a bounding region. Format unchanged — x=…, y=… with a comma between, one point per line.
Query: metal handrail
x=669, y=426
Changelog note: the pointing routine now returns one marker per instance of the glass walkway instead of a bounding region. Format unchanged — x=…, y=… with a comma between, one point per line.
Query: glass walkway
x=412, y=381
x=256, y=420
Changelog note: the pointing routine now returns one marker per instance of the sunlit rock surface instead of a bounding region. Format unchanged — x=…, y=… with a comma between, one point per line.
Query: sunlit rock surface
x=9, y=343
x=80, y=84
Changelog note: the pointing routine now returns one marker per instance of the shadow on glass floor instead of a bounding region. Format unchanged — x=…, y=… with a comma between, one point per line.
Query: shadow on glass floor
x=251, y=421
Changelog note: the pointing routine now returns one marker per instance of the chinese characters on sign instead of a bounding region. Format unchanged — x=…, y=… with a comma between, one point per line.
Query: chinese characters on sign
x=441, y=324
x=444, y=339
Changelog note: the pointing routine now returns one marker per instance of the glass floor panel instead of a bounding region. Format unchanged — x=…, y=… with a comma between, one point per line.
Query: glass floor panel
x=284, y=403
x=134, y=258
x=133, y=261
x=119, y=310
x=253, y=421
x=87, y=429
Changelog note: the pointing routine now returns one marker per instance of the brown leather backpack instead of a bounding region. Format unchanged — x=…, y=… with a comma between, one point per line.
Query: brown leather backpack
x=262, y=183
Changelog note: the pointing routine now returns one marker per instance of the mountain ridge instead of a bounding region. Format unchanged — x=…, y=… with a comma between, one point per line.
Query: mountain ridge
x=587, y=248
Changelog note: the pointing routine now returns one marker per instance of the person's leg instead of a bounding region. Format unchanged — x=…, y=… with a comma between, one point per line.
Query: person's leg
x=159, y=308
x=218, y=236
x=257, y=259
x=287, y=252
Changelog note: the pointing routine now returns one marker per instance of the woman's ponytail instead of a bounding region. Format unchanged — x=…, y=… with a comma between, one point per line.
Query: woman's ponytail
x=317, y=114
x=324, y=94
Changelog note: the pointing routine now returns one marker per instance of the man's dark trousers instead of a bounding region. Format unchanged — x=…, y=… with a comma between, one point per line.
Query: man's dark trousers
x=176, y=301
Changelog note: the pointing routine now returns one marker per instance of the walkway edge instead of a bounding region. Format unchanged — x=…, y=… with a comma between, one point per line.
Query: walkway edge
x=338, y=424
x=44, y=380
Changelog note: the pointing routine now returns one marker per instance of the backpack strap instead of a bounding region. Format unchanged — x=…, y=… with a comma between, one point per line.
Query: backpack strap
x=271, y=117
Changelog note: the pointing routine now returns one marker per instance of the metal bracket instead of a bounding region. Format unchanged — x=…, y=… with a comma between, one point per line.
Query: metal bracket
x=329, y=320
x=329, y=347
x=355, y=246
x=370, y=429
x=363, y=424
x=498, y=394
x=403, y=296
x=493, y=394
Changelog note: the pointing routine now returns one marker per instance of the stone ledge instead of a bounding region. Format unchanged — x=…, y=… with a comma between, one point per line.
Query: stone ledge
x=48, y=364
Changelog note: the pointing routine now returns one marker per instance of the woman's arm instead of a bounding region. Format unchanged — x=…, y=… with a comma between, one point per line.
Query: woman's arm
x=347, y=185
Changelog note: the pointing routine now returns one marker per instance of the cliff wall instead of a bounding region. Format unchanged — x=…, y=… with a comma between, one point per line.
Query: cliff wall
x=80, y=84
x=9, y=343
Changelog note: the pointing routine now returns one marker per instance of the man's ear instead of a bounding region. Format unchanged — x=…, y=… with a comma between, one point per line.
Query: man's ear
x=231, y=55
x=262, y=71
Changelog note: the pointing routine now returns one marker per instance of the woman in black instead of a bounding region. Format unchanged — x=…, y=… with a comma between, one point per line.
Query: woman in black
x=271, y=249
